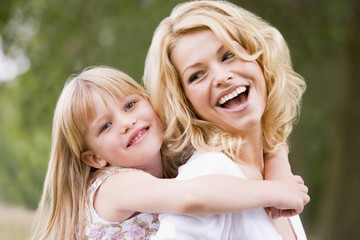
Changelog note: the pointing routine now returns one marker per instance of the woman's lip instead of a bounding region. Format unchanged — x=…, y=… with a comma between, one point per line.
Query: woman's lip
x=241, y=107
x=140, y=133
x=227, y=91
x=238, y=109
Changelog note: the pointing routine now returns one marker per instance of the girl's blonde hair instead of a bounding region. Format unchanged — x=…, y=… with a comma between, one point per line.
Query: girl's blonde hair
x=64, y=196
x=265, y=45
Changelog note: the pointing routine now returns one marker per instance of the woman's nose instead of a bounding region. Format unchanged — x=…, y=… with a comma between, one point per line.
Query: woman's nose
x=127, y=124
x=221, y=76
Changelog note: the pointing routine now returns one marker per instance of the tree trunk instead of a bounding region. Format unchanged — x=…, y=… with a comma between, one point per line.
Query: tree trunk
x=341, y=210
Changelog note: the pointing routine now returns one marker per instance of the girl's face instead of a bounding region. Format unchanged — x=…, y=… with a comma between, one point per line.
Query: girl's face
x=222, y=88
x=125, y=133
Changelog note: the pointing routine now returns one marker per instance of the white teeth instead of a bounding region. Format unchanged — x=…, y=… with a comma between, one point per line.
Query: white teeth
x=231, y=95
x=137, y=136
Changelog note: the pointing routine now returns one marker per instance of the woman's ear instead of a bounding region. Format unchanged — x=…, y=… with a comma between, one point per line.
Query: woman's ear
x=90, y=158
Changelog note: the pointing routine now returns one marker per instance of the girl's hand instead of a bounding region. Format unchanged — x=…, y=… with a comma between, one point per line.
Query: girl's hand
x=293, y=196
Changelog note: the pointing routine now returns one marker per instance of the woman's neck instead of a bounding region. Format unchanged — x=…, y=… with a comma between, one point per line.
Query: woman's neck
x=251, y=152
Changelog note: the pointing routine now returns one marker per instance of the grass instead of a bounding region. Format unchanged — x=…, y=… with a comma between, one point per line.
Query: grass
x=15, y=222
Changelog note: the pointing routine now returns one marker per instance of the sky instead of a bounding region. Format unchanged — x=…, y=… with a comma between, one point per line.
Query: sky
x=13, y=63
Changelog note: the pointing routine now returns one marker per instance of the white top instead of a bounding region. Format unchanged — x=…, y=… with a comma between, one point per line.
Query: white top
x=253, y=224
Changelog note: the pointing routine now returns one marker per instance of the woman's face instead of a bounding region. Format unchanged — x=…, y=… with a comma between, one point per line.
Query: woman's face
x=222, y=88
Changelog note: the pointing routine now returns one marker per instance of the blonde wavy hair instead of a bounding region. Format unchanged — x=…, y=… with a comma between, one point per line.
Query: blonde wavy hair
x=61, y=210
x=265, y=45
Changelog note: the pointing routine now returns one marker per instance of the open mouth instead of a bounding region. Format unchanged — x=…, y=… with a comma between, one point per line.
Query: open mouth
x=137, y=136
x=235, y=98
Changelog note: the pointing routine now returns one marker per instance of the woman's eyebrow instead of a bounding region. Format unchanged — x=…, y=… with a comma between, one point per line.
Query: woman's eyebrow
x=196, y=64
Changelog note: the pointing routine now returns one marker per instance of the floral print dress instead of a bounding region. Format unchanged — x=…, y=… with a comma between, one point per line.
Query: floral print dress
x=142, y=226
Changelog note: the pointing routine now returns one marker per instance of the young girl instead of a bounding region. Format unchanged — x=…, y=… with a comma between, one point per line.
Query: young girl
x=221, y=80
x=104, y=176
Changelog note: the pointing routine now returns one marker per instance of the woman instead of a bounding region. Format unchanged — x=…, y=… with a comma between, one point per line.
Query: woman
x=221, y=80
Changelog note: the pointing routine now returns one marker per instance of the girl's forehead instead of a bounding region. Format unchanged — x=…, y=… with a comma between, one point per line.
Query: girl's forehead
x=113, y=96
x=111, y=93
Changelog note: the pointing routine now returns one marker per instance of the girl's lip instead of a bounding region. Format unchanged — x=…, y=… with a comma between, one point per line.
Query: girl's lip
x=138, y=135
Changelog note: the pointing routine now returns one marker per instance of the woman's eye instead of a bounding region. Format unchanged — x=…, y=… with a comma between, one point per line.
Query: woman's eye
x=104, y=127
x=129, y=105
x=227, y=56
x=195, y=77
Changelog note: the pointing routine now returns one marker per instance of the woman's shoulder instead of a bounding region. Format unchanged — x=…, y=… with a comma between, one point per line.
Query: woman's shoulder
x=209, y=155
x=211, y=159
x=204, y=163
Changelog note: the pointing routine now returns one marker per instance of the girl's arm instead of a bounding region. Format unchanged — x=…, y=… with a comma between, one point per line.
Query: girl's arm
x=277, y=164
x=124, y=193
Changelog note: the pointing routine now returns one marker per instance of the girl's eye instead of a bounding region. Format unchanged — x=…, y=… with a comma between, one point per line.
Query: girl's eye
x=195, y=76
x=227, y=56
x=104, y=127
x=129, y=105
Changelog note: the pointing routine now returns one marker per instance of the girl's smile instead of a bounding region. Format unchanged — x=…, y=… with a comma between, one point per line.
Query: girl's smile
x=138, y=136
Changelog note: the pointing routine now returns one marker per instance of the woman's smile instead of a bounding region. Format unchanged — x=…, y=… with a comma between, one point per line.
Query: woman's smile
x=235, y=100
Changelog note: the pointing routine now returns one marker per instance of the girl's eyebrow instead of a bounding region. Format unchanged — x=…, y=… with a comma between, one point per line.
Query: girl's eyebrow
x=220, y=49
x=92, y=127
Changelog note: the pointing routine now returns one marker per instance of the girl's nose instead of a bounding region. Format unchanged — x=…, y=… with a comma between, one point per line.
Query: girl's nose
x=127, y=124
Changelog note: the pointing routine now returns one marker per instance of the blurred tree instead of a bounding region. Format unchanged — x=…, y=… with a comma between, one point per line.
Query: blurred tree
x=341, y=211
